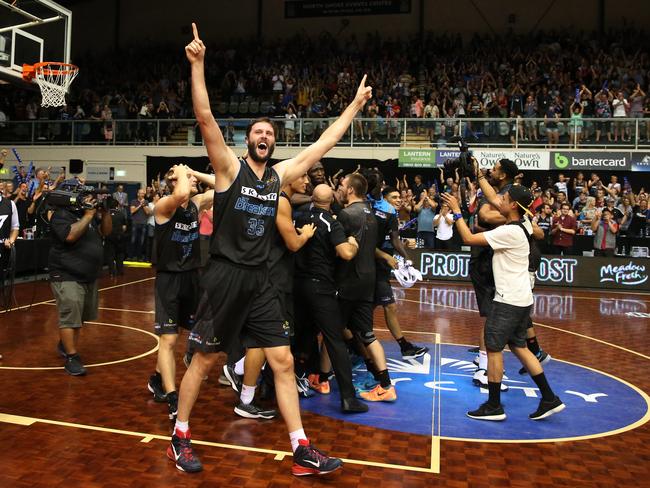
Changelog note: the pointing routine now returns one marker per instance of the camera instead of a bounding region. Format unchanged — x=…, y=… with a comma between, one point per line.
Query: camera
x=72, y=195
x=463, y=162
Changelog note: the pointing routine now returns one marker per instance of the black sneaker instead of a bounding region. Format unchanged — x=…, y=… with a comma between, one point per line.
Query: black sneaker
x=309, y=460
x=180, y=451
x=252, y=411
x=543, y=357
x=61, y=350
x=235, y=379
x=172, y=404
x=547, y=408
x=352, y=405
x=155, y=386
x=74, y=366
x=487, y=412
x=412, y=351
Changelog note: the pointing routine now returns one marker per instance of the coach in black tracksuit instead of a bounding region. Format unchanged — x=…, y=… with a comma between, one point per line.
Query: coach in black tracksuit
x=315, y=289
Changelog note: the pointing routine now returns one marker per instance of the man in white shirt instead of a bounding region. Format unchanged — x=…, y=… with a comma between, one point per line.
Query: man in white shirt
x=509, y=315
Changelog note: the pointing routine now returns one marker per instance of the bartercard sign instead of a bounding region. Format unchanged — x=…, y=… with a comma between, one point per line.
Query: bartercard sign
x=525, y=159
x=578, y=271
x=581, y=160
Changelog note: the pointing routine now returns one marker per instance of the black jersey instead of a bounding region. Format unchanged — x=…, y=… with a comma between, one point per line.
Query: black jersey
x=244, y=217
x=5, y=218
x=281, y=262
x=386, y=224
x=177, y=241
x=356, y=278
x=317, y=259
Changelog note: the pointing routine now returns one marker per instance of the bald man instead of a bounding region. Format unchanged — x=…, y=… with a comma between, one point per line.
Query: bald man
x=315, y=291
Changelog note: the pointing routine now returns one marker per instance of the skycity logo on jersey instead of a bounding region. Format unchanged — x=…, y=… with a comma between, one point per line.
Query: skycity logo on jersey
x=629, y=274
x=590, y=159
x=251, y=192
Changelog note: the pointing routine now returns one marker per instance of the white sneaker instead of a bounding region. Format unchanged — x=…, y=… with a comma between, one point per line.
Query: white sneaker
x=480, y=379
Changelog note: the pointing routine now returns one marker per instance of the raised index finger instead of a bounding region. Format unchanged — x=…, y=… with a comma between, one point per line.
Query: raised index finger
x=363, y=80
x=195, y=31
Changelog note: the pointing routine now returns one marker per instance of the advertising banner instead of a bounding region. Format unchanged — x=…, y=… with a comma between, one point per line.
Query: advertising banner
x=580, y=271
x=641, y=161
x=526, y=160
x=590, y=160
x=417, y=158
x=335, y=8
x=443, y=155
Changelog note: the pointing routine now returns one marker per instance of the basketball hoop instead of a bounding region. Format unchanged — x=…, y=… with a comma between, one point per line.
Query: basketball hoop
x=53, y=78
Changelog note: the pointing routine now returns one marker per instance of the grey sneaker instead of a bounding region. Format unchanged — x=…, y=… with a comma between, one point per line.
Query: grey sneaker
x=235, y=379
x=252, y=411
x=73, y=366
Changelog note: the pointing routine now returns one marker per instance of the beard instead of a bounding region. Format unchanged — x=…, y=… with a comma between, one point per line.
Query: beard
x=252, y=152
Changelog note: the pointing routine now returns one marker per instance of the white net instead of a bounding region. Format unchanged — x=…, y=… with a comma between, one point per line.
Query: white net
x=54, y=80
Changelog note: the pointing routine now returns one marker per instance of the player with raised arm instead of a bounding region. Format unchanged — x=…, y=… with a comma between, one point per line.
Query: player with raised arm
x=237, y=299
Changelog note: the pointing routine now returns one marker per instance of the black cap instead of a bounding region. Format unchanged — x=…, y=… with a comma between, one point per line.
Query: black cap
x=521, y=195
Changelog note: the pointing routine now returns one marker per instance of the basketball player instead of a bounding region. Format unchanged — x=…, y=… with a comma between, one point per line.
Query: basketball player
x=236, y=297
x=179, y=259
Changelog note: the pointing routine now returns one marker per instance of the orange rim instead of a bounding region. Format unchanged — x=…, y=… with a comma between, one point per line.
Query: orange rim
x=30, y=70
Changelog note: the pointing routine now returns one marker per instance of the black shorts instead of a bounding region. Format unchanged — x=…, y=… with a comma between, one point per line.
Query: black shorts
x=383, y=293
x=480, y=272
x=506, y=324
x=287, y=308
x=237, y=304
x=176, y=295
x=357, y=316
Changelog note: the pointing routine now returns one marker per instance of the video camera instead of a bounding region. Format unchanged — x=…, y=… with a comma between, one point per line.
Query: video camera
x=72, y=195
x=463, y=162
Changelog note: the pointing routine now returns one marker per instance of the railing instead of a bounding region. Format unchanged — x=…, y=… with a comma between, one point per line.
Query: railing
x=631, y=133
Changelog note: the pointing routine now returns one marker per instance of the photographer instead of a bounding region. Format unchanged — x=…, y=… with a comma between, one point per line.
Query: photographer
x=605, y=229
x=75, y=261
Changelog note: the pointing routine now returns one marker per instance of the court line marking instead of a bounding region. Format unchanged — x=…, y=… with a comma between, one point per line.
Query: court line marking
x=626, y=428
x=114, y=309
x=437, y=399
x=47, y=302
x=615, y=346
x=145, y=437
x=96, y=365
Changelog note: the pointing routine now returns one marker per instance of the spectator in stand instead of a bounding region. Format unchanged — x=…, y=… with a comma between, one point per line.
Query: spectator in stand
x=560, y=200
x=426, y=211
x=620, y=107
x=551, y=119
x=594, y=184
x=151, y=198
x=575, y=124
x=444, y=222
x=579, y=202
x=418, y=188
x=579, y=184
x=614, y=184
x=115, y=242
x=530, y=112
x=604, y=228
x=404, y=212
x=587, y=215
x=563, y=231
x=544, y=219
x=603, y=111
x=205, y=231
x=640, y=226
x=139, y=216
x=121, y=198
x=624, y=241
x=562, y=184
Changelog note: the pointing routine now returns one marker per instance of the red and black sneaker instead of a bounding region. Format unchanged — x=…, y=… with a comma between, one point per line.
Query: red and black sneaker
x=180, y=451
x=309, y=460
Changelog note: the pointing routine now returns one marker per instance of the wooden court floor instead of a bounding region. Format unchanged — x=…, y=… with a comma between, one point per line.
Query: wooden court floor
x=104, y=430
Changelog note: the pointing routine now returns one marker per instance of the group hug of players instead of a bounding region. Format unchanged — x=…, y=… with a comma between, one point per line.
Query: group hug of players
x=241, y=302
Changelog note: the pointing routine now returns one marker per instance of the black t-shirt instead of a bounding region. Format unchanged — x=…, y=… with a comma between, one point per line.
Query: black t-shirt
x=119, y=221
x=546, y=224
x=79, y=261
x=244, y=217
x=177, y=241
x=317, y=259
x=281, y=262
x=639, y=221
x=5, y=218
x=21, y=206
x=386, y=224
x=356, y=278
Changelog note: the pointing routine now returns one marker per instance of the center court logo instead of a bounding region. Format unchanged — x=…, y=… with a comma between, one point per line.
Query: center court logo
x=590, y=397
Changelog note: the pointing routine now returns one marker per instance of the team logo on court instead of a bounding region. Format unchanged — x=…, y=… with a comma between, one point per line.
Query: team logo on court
x=597, y=404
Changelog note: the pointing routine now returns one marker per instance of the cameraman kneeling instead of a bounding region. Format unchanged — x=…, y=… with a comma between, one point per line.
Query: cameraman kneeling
x=75, y=261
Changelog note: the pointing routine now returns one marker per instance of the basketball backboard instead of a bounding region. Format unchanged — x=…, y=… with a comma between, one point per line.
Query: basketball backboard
x=32, y=31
